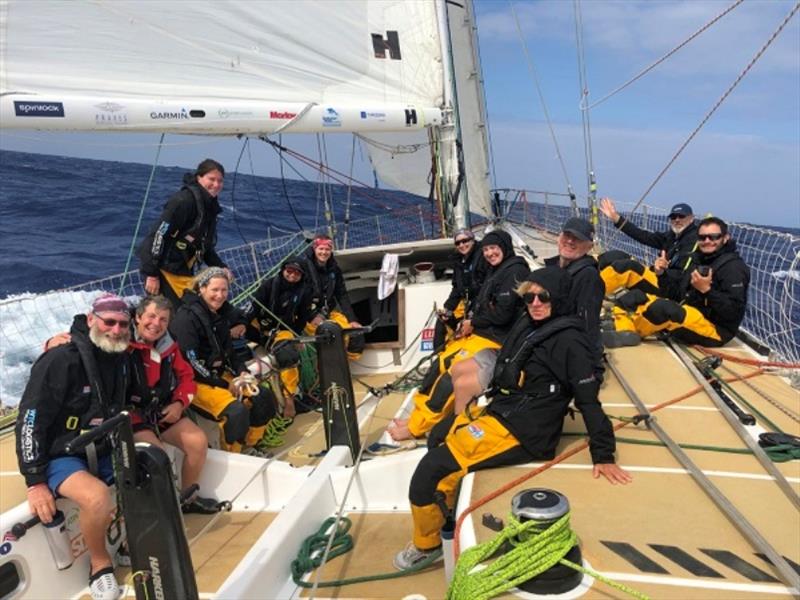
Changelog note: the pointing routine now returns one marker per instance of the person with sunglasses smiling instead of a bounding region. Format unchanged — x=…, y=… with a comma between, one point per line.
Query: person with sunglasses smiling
x=675, y=247
x=469, y=271
x=546, y=361
x=279, y=310
x=74, y=387
x=714, y=297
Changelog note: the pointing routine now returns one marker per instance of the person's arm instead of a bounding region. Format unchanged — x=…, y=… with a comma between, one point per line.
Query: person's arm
x=342, y=298
x=589, y=291
x=728, y=294
x=505, y=307
x=175, y=216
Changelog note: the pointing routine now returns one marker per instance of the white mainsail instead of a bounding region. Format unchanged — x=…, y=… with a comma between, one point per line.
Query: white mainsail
x=220, y=67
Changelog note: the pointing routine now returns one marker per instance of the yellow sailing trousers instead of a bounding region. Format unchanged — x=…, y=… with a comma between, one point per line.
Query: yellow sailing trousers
x=232, y=415
x=628, y=278
x=290, y=377
x=660, y=314
x=431, y=408
x=343, y=322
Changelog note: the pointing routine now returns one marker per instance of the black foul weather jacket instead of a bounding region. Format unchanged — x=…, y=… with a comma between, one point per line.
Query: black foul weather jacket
x=185, y=234
x=679, y=249
x=497, y=304
x=72, y=388
x=204, y=338
x=290, y=302
x=724, y=304
x=544, y=367
x=469, y=273
x=328, y=291
x=586, y=294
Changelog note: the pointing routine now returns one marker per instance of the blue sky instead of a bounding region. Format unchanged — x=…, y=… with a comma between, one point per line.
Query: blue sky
x=744, y=165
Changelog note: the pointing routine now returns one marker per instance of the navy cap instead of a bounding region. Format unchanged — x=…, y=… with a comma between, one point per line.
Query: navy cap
x=682, y=209
x=580, y=228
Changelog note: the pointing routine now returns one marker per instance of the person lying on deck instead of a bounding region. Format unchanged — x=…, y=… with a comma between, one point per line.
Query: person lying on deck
x=546, y=362
x=712, y=304
x=160, y=388
x=676, y=246
x=477, y=338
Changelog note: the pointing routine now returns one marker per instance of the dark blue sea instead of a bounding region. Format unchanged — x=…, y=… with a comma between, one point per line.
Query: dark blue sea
x=65, y=221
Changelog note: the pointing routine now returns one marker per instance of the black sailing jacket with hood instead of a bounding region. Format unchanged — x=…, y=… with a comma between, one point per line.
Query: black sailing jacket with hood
x=469, y=273
x=679, y=249
x=541, y=368
x=72, y=387
x=587, y=294
x=497, y=304
x=185, y=234
x=289, y=301
x=204, y=338
x=327, y=286
x=724, y=304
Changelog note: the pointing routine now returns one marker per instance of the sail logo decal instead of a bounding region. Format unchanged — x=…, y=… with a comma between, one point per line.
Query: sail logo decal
x=411, y=117
x=426, y=344
x=285, y=114
x=170, y=115
x=225, y=113
x=110, y=114
x=38, y=109
x=391, y=43
x=331, y=118
x=378, y=116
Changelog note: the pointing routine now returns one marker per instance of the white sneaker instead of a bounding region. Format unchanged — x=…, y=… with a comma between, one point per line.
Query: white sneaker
x=103, y=585
x=413, y=556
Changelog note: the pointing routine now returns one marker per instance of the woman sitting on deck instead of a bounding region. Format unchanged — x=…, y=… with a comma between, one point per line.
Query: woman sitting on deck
x=544, y=364
x=203, y=334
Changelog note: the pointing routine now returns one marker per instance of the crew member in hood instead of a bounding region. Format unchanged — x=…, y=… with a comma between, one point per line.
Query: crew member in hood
x=280, y=309
x=714, y=296
x=675, y=247
x=479, y=336
x=545, y=363
x=329, y=295
x=74, y=387
x=185, y=236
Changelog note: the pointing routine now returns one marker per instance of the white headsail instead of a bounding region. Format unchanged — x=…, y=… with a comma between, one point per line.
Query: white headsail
x=221, y=66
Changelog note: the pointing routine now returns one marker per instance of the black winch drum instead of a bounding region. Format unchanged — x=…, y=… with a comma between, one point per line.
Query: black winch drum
x=546, y=507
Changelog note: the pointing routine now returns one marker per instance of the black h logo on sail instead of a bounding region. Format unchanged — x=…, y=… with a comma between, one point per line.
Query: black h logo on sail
x=391, y=43
x=411, y=116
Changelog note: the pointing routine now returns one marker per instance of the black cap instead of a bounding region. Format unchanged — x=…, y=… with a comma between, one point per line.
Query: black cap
x=580, y=228
x=682, y=209
x=293, y=263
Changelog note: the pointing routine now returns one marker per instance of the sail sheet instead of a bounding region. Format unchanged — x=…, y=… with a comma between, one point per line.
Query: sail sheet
x=135, y=64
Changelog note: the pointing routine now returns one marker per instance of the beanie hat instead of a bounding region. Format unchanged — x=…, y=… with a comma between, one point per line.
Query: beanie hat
x=559, y=283
x=464, y=233
x=110, y=303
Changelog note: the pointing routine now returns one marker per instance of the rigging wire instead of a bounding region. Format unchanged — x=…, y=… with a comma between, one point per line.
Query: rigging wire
x=349, y=193
x=233, y=190
x=141, y=215
x=587, y=132
x=325, y=186
x=261, y=202
x=653, y=65
x=283, y=181
x=535, y=78
x=714, y=108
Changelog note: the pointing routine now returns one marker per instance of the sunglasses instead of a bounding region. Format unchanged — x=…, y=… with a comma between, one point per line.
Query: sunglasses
x=463, y=241
x=528, y=297
x=111, y=322
x=714, y=237
x=677, y=217
x=292, y=271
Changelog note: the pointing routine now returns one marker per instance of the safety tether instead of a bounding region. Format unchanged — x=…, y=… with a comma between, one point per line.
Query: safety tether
x=141, y=216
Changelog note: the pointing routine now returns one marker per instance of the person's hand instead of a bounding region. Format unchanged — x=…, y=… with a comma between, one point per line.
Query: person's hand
x=613, y=473
x=399, y=431
x=229, y=274
x=608, y=209
x=355, y=324
x=58, y=339
x=701, y=283
x=464, y=329
x=152, y=285
x=172, y=413
x=317, y=321
x=41, y=502
x=661, y=263
x=289, y=410
x=237, y=331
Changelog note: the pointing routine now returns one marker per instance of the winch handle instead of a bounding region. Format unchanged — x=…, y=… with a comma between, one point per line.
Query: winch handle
x=106, y=427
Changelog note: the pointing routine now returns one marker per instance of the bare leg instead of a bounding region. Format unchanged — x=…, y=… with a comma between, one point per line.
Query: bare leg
x=94, y=499
x=465, y=383
x=193, y=442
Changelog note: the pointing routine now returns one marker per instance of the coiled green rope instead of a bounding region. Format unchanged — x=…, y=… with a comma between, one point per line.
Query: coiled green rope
x=535, y=550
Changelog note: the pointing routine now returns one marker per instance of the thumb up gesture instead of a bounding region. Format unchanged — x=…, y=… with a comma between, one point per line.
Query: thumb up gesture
x=661, y=263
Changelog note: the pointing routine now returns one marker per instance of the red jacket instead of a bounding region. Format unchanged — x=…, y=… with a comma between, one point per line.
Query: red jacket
x=152, y=357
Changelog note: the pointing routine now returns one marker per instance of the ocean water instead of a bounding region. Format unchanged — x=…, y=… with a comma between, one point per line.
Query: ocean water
x=65, y=221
